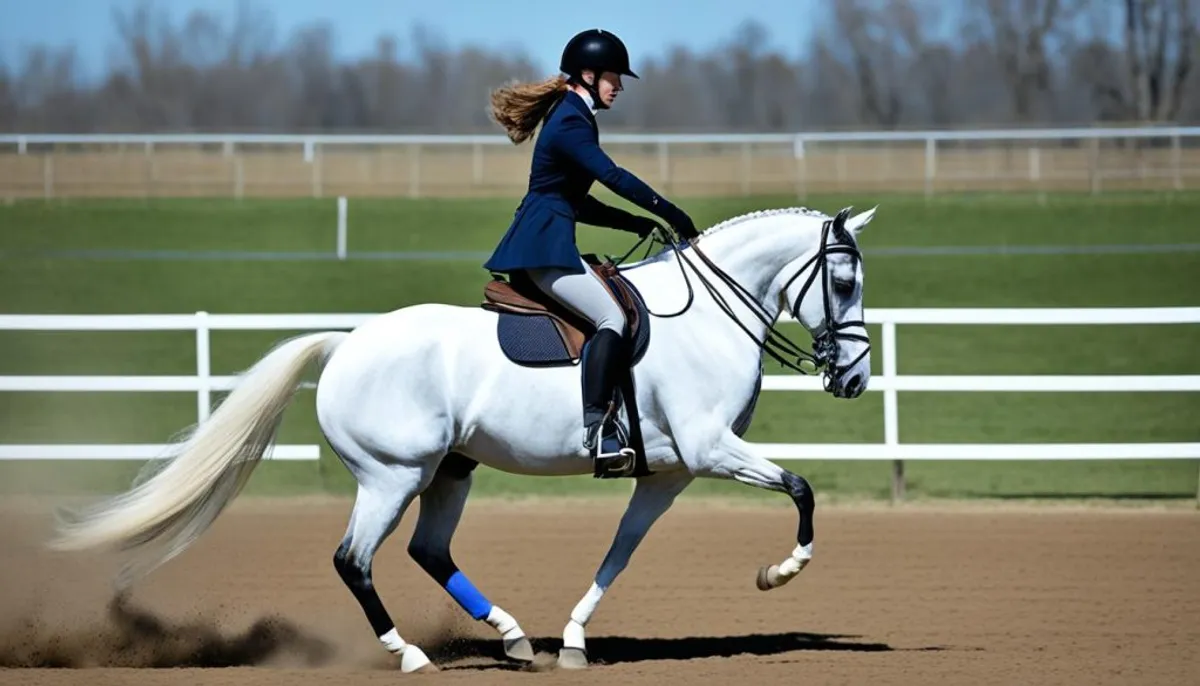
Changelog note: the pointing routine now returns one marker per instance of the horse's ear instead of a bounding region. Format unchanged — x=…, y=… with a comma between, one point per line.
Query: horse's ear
x=856, y=224
x=839, y=224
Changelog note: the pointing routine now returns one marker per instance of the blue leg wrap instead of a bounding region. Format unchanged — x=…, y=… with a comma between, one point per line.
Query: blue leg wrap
x=464, y=592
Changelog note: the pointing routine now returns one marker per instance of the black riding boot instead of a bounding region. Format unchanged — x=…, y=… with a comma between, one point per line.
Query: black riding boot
x=605, y=357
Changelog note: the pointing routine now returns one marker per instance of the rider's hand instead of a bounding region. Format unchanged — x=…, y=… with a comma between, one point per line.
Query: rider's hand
x=643, y=226
x=684, y=227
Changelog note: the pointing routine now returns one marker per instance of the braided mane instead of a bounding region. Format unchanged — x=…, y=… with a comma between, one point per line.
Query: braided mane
x=733, y=221
x=666, y=253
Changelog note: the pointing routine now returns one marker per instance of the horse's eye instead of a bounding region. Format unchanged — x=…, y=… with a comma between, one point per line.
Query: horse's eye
x=843, y=287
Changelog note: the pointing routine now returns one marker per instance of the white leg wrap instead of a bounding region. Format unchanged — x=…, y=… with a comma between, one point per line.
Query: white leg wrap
x=392, y=641
x=587, y=605
x=800, y=557
x=775, y=576
x=573, y=636
x=504, y=623
x=412, y=658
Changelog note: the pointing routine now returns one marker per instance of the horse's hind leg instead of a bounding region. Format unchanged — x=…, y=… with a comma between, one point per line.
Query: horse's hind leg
x=441, y=506
x=380, y=504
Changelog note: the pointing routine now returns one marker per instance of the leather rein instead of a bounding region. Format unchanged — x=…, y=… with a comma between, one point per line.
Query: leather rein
x=775, y=343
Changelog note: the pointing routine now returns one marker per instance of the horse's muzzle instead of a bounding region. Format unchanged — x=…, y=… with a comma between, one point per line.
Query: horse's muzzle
x=850, y=387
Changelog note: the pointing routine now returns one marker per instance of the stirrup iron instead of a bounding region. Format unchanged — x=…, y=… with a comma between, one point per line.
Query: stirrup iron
x=611, y=455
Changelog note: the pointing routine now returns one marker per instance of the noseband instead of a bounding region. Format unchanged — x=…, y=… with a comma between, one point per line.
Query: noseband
x=775, y=344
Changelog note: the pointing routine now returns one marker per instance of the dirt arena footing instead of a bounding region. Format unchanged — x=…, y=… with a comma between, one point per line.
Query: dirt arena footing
x=913, y=595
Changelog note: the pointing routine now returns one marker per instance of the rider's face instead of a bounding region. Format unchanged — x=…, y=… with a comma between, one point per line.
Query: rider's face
x=608, y=87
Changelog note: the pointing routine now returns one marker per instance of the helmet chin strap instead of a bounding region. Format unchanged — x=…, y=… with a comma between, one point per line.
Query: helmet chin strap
x=592, y=91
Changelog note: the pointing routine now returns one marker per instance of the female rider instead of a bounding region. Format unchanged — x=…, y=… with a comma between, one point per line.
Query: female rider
x=567, y=159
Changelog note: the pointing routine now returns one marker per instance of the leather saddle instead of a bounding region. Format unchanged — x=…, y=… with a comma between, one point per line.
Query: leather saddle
x=535, y=330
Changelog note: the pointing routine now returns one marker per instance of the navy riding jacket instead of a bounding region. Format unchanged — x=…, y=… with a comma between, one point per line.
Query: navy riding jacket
x=567, y=159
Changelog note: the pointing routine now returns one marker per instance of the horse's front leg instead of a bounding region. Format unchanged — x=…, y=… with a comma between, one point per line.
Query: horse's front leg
x=652, y=496
x=734, y=458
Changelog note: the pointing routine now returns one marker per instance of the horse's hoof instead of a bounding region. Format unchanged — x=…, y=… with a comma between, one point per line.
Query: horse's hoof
x=764, y=578
x=519, y=649
x=414, y=661
x=572, y=658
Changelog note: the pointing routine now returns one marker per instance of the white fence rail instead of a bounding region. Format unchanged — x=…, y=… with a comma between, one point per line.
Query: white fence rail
x=890, y=382
x=309, y=141
x=1041, y=159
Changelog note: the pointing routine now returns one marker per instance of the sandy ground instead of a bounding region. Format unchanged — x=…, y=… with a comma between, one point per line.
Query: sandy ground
x=909, y=596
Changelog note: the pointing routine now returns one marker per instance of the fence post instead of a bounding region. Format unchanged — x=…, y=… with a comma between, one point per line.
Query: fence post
x=203, y=368
x=1177, y=162
x=746, y=154
x=48, y=175
x=151, y=169
x=840, y=165
x=477, y=163
x=1035, y=172
x=341, y=227
x=1094, y=165
x=800, y=155
x=317, y=181
x=239, y=178
x=664, y=166
x=930, y=164
x=891, y=409
x=414, y=170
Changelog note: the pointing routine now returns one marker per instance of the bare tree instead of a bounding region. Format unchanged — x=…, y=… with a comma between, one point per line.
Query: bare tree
x=154, y=62
x=745, y=105
x=871, y=64
x=1160, y=44
x=44, y=90
x=922, y=67
x=931, y=71
x=671, y=89
x=1023, y=34
x=870, y=48
x=1145, y=72
x=312, y=73
x=830, y=102
x=8, y=101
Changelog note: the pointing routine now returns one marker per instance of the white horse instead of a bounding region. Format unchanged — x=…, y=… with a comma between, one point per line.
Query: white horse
x=413, y=400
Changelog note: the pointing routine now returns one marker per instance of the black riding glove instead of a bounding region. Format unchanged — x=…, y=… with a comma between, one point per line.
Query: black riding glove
x=642, y=226
x=683, y=226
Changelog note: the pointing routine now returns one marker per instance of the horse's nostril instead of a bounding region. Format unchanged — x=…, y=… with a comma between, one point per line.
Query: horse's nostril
x=853, y=384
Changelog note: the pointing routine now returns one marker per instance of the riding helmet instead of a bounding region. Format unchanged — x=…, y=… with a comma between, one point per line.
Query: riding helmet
x=598, y=50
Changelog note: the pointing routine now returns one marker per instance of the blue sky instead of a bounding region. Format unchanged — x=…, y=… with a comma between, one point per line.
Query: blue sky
x=540, y=26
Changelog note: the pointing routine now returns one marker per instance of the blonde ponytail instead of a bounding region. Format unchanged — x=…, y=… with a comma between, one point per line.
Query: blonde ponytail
x=520, y=107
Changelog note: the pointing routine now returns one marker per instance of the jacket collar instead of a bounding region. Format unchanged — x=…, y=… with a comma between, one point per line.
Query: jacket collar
x=581, y=104
x=587, y=99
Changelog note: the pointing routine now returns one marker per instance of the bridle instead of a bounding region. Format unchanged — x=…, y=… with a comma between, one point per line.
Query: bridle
x=775, y=344
x=825, y=343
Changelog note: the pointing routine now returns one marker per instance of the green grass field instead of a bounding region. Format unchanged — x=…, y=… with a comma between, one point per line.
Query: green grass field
x=32, y=282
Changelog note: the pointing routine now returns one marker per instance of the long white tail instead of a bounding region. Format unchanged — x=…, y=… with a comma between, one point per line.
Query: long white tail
x=175, y=499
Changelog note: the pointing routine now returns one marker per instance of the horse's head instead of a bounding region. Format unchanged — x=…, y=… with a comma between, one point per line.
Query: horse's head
x=799, y=261
x=825, y=296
